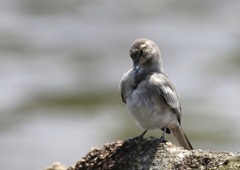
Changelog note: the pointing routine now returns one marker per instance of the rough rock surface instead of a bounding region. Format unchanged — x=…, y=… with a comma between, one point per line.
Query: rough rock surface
x=143, y=154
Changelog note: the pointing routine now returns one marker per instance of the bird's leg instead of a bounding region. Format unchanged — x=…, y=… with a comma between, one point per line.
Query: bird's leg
x=162, y=138
x=141, y=136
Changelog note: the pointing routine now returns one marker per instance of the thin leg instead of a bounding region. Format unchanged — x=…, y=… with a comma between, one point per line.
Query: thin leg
x=141, y=136
x=162, y=138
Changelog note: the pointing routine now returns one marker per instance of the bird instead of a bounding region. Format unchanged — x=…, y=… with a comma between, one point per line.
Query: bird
x=150, y=96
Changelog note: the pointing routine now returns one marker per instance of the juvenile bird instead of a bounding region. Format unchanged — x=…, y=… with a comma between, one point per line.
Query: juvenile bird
x=150, y=96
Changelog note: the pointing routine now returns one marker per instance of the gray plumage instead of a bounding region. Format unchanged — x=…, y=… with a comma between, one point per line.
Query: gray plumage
x=150, y=96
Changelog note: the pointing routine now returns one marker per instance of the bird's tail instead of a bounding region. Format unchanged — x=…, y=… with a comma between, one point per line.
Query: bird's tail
x=181, y=138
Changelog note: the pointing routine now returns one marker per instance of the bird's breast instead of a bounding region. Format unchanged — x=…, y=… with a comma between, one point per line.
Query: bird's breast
x=147, y=109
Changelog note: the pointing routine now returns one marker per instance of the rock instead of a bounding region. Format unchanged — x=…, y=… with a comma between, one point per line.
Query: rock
x=151, y=153
x=56, y=166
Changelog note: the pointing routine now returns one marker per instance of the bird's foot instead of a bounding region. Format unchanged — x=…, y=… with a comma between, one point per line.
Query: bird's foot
x=141, y=136
x=162, y=139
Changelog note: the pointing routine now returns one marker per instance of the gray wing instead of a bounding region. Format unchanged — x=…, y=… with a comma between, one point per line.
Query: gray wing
x=168, y=92
x=126, y=85
x=122, y=89
x=170, y=95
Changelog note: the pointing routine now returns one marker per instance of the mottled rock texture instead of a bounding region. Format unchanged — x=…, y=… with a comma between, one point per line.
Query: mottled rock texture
x=152, y=154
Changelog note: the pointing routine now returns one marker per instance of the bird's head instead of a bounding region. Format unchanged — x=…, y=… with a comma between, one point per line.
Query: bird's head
x=146, y=55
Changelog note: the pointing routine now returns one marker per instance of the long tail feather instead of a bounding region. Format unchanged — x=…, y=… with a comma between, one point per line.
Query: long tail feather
x=181, y=138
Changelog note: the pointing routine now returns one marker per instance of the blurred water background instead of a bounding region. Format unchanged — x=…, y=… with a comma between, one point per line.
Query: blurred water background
x=61, y=62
